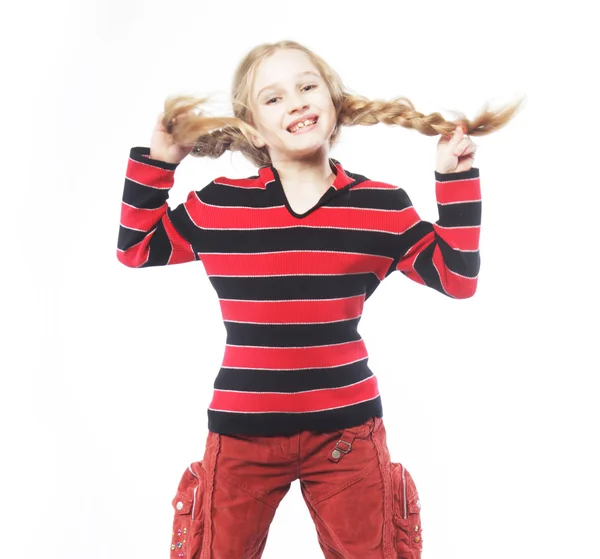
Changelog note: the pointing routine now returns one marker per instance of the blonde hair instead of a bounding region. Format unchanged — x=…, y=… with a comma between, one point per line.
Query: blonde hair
x=212, y=136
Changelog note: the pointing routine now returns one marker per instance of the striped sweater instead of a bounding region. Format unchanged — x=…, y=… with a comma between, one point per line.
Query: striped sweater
x=292, y=286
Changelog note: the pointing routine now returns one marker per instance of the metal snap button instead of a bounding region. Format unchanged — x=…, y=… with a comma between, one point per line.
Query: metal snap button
x=418, y=503
x=179, y=505
x=336, y=453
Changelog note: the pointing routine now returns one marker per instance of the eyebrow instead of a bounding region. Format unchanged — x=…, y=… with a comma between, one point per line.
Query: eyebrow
x=273, y=85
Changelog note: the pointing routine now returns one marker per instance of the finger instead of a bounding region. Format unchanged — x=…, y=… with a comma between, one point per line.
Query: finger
x=460, y=147
x=463, y=144
x=469, y=150
x=457, y=136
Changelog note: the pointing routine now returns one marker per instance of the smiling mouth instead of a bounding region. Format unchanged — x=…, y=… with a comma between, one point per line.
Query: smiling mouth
x=309, y=122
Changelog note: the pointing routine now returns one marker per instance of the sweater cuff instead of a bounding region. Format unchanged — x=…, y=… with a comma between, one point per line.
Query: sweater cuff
x=471, y=173
x=142, y=155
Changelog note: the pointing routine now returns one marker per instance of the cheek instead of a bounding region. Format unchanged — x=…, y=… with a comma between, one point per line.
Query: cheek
x=270, y=124
x=332, y=122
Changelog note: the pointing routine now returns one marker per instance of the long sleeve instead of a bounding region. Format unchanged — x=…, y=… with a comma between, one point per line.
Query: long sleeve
x=443, y=255
x=150, y=232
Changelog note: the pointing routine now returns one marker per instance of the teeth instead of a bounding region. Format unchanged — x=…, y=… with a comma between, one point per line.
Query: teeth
x=302, y=124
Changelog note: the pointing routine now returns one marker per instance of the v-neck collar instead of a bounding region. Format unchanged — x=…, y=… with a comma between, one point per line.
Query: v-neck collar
x=268, y=175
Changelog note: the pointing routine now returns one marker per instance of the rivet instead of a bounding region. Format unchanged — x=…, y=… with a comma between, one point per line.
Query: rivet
x=173, y=546
x=336, y=453
x=417, y=538
x=179, y=544
x=179, y=532
x=185, y=530
x=417, y=528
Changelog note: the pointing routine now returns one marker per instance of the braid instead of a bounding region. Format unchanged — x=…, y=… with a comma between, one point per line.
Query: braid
x=210, y=136
x=229, y=138
x=356, y=109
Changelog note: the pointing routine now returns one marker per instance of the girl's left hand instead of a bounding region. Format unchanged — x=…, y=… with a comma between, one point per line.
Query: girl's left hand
x=455, y=153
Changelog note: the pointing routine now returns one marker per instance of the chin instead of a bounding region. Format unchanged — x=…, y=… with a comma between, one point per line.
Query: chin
x=308, y=151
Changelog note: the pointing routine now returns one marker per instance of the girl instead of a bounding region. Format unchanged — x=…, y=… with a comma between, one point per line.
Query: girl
x=293, y=252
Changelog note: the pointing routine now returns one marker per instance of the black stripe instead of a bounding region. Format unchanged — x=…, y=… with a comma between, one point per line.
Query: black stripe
x=141, y=196
x=292, y=335
x=463, y=263
x=292, y=238
x=367, y=198
x=408, y=239
x=373, y=199
x=137, y=152
x=471, y=173
x=464, y=214
x=256, y=380
x=160, y=248
x=129, y=237
x=291, y=287
x=187, y=229
x=257, y=424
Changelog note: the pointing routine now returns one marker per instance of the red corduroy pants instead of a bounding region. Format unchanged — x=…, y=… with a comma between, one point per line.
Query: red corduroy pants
x=363, y=505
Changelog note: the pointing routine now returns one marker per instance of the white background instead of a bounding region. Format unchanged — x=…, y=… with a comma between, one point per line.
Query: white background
x=491, y=402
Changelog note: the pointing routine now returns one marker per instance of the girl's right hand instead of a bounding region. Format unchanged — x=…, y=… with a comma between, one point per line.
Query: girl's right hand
x=162, y=146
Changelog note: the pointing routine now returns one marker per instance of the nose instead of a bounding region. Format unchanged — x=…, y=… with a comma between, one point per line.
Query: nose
x=297, y=104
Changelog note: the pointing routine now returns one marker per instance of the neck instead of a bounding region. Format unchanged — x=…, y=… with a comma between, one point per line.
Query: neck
x=311, y=170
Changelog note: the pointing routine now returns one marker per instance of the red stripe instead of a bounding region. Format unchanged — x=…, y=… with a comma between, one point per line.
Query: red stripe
x=222, y=217
x=453, y=284
x=407, y=262
x=147, y=174
x=294, y=357
x=457, y=191
x=295, y=263
x=461, y=238
x=144, y=220
x=310, y=401
x=245, y=182
x=297, y=312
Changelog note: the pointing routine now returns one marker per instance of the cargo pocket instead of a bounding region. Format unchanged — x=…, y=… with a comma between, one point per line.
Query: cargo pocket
x=188, y=524
x=408, y=540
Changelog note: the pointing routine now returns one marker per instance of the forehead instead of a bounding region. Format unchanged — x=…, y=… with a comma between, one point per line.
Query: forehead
x=282, y=66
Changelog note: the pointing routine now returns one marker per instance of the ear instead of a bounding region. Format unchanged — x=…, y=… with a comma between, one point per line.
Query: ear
x=258, y=141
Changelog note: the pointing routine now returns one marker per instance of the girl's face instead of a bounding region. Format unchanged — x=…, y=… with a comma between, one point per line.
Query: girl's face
x=288, y=89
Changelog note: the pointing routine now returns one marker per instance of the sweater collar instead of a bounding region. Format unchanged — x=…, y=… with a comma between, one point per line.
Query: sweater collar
x=268, y=174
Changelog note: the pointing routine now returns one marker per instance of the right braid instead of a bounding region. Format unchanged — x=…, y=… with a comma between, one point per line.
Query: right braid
x=356, y=109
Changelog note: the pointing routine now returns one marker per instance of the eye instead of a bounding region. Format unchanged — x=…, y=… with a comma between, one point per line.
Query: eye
x=311, y=86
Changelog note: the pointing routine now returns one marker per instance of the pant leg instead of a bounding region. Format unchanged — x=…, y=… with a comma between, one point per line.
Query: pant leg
x=225, y=503
x=364, y=506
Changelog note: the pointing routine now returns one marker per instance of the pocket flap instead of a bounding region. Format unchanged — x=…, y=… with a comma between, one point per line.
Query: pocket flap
x=412, y=494
x=181, y=504
x=414, y=505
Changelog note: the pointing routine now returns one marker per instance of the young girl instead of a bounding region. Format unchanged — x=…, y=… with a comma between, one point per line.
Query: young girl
x=293, y=252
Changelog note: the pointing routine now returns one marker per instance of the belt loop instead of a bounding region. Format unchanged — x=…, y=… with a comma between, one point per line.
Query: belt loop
x=343, y=446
